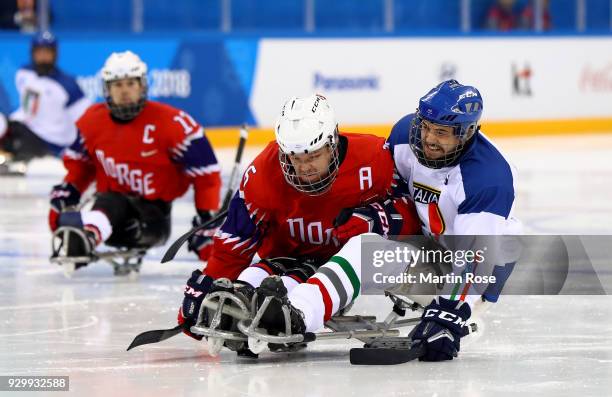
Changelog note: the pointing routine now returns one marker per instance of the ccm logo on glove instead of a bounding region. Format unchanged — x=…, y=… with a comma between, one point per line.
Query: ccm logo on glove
x=446, y=316
x=190, y=291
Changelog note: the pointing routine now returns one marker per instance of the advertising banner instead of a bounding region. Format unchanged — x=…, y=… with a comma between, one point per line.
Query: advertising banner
x=369, y=81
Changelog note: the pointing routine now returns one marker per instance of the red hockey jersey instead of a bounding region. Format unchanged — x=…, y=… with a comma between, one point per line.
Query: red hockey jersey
x=157, y=155
x=270, y=217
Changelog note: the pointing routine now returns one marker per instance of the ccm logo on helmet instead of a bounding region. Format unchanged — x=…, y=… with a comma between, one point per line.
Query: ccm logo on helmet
x=316, y=102
x=468, y=94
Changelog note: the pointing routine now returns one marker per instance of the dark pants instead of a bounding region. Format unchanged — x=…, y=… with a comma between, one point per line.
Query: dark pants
x=25, y=145
x=300, y=269
x=136, y=222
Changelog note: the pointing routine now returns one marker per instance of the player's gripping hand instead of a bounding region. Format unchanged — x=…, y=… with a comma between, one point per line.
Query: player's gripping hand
x=62, y=196
x=201, y=242
x=441, y=329
x=391, y=218
x=355, y=221
x=196, y=289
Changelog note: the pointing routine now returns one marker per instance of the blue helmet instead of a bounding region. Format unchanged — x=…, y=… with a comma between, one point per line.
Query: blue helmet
x=448, y=104
x=44, y=39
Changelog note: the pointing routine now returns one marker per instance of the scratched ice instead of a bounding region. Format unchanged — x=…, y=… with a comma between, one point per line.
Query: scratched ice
x=540, y=346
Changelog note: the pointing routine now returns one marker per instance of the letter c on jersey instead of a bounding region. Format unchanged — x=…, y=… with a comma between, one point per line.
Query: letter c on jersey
x=146, y=138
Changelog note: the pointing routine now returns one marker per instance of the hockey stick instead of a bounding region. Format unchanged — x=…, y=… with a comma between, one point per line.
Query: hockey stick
x=385, y=356
x=393, y=356
x=234, y=176
x=157, y=335
x=171, y=253
x=160, y=335
x=231, y=189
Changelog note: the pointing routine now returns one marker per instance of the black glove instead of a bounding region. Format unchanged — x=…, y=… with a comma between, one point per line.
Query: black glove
x=442, y=326
x=62, y=196
x=196, y=289
x=201, y=242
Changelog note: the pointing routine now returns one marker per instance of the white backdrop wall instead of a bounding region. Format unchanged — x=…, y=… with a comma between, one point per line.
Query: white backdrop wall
x=376, y=81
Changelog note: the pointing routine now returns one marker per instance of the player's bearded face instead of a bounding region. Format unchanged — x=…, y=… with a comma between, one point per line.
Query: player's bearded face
x=312, y=167
x=44, y=59
x=438, y=140
x=125, y=91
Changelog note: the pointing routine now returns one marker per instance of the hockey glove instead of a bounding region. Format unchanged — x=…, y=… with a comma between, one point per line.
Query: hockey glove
x=62, y=196
x=201, y=242
x=393, y=217
x=441, y=328
x=196, y=289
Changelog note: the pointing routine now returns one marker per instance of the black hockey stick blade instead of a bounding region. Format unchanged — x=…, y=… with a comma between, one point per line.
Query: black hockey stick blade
x=171, y=253
x=173, y=249
x=155, y=336
x=385, y=356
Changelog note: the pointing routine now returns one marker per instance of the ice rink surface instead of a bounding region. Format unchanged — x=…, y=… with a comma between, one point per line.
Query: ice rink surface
x=531, y=346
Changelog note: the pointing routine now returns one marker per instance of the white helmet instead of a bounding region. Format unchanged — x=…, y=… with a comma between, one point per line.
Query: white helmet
x=124, y=65
x=304, y=126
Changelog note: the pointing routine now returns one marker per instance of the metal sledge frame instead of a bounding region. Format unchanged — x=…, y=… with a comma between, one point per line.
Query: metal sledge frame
x=119, y=259
x=363, y=328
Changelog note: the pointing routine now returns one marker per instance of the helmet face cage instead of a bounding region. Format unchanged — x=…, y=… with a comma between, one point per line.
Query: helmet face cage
x=324, y=183
x=449, y=104
x=463, y=132
x=130, y=111
x=44, y=40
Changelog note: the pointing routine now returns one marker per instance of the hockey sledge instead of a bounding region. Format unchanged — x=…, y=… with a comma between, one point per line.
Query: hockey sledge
x=383, y=341
x=125, y=262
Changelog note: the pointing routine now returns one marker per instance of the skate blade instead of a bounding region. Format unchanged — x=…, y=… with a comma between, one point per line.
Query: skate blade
x=257, y=345
x=73, y=260
x=68, y=269
x=214, y=346
x=260, y=334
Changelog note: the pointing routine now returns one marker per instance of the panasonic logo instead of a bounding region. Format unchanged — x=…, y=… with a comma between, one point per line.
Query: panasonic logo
x=346, y=83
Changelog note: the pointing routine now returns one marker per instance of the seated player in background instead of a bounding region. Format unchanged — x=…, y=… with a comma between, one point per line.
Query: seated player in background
x=142, y=155
x=285, y=209
x=50, y=104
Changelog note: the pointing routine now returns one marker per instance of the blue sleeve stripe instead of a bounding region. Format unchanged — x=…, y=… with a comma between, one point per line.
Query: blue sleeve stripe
x=77, y=149
x=488, y=182
x=239, y=226
x=199, y=171
x=70, y=85
x=495, y=200
x=198, y=154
